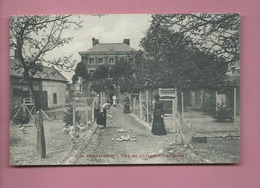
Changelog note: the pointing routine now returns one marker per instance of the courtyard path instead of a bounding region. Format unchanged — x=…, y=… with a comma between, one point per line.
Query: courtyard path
x=105, y=148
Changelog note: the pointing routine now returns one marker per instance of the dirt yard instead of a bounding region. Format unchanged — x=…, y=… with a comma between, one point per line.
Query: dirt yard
x=100, y=146
x=23, y=142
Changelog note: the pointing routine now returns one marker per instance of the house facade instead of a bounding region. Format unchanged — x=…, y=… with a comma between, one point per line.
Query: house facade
x=105, y=54
x=50, y=85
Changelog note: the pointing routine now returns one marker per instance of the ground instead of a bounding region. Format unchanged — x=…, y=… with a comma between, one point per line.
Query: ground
x=58, y=144
x=152, y=149
x=97, y=145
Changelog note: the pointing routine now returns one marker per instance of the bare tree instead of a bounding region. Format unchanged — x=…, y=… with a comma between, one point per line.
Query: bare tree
x=32, y=37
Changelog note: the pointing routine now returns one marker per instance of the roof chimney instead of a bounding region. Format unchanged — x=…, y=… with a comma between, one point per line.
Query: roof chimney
x=94, y=41
x=127, y=42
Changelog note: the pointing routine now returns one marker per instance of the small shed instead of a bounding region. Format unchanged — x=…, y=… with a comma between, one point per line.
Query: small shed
x=50, y=85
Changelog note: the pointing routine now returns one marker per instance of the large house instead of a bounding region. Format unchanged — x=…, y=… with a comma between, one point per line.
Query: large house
x=50, y=84
x=105, y=54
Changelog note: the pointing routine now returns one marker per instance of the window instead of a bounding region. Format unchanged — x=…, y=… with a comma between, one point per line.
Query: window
x=55, y=98
x=100, y=61
x=91, y=72
x=111, y=60
x=131, y=60
x=122, y=59
x=91, y=61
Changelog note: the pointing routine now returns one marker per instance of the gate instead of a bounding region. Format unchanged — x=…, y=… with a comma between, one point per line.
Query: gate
x=169, y=98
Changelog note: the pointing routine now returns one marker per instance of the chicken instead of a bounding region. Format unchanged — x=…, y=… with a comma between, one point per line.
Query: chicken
x=83, y=128
x=66, y=130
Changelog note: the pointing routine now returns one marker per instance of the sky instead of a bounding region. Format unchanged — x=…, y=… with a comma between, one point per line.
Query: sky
x=111, y=28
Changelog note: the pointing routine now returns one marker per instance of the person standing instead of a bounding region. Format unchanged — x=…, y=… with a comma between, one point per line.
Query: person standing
x=127, y=104
x=114, y=100
x=102, y=115
x=96, y=104
x=158, y=127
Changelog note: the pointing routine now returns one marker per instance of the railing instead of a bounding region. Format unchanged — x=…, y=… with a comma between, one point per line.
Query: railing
x=28, y=101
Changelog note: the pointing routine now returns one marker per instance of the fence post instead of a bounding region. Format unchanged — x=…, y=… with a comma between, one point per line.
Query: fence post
x=134, y=101
x=173, y=115
x=101, y=97
x=176, y=109
x=182, y=106
x=41, y=145
x=182, y=117
x=216, y=93
x=73, y=114
x=140, y=104
x=235, y=104
x=92, y=113
x=147, y=106
x=87, y=113
x=119, y=96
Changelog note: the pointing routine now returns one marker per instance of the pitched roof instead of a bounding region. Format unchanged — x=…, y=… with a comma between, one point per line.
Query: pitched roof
x=109, y=48
x=48, y=73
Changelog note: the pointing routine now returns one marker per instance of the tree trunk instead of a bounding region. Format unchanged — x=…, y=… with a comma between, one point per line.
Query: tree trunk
x=41, y=145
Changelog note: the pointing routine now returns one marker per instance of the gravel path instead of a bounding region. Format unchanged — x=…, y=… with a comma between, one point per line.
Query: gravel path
x=105, y=148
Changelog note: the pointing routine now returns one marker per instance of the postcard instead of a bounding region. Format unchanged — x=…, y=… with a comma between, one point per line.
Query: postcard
x=124, y=89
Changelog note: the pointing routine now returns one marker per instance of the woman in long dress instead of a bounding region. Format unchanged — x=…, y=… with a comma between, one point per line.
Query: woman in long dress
x=127, y=105
x=158, y=127
x=102, y=115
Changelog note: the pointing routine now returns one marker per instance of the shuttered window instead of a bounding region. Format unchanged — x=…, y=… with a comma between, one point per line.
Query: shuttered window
x=55, y=98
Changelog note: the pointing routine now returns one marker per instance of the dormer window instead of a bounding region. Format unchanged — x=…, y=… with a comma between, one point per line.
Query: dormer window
x=100, y=61
x=111, y=61
x=91, y=61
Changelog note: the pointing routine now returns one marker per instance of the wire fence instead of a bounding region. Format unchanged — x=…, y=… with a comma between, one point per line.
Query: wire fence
x=85, y=107
x=142, y=106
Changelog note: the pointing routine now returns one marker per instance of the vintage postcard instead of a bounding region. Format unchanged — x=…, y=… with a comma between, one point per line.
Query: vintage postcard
x=120, y=89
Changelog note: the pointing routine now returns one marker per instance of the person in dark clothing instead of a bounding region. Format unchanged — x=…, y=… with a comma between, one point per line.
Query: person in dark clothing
x=102, y=115
x=158, y=127
x=127, y=104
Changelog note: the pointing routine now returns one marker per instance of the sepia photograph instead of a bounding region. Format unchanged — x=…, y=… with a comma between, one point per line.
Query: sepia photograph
x=124, y=89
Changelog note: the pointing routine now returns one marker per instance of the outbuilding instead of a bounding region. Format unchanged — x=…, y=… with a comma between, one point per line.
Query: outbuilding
x=50, y=85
